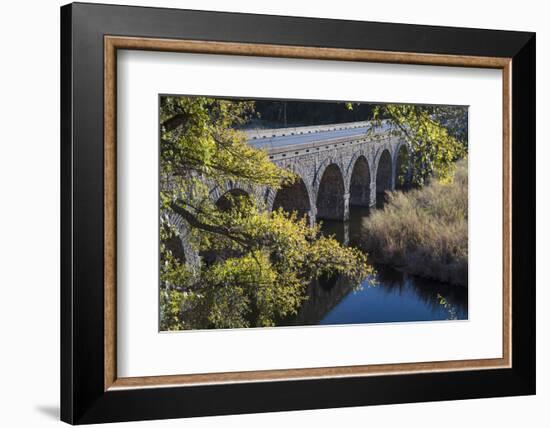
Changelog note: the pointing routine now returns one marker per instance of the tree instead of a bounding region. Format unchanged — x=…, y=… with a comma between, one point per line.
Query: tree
x=434, y=150
x=436, y=136
x=254, y=265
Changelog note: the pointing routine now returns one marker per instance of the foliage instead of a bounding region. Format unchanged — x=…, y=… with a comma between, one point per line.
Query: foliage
x=199, y=141
x=433, y=148
x=424, y=231
x=283, y=113
x=254, y=265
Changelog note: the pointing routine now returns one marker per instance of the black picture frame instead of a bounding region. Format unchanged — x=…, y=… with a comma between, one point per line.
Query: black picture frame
x=83, y=398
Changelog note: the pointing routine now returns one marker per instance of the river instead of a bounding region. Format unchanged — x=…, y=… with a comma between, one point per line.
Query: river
x=390, y=296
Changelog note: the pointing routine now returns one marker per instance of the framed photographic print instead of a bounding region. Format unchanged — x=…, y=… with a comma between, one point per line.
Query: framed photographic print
x=264, y=213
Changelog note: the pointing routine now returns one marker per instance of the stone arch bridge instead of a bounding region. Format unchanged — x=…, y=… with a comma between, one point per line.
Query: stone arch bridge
x=337, y=165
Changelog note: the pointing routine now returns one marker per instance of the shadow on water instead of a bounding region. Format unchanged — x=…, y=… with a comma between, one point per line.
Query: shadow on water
x=391, y=296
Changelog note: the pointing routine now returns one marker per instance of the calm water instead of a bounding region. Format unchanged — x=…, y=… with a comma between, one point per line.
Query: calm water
x=396, y=297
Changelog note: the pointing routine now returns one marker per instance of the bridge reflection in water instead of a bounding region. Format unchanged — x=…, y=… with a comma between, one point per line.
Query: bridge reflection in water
x=396, y=297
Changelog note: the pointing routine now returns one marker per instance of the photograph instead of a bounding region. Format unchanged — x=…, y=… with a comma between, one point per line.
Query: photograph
x=287, y=213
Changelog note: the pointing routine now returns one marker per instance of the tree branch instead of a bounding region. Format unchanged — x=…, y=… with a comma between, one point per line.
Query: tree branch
x=195, y=222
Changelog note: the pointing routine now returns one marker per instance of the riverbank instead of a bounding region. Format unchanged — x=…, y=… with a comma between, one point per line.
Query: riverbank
x=423, y=231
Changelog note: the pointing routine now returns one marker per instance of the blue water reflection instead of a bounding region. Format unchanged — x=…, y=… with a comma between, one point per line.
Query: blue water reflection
x=396, y=296
x=399, y=298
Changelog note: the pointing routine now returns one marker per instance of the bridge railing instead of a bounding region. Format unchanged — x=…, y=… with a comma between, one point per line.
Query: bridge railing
x=258, y=134
x=280, y=140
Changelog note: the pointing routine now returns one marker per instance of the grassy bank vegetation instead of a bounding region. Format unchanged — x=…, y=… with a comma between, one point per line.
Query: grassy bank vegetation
x=424, y=231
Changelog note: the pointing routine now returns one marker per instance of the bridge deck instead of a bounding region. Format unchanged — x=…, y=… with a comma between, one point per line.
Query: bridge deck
x=277, y=139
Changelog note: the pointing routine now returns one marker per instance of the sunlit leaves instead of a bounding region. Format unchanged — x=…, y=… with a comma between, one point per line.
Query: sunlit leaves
x=254, y=265
x=434, y=134
x=206, y=142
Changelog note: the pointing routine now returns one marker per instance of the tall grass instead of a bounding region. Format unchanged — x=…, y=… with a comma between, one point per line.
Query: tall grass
x=424, y=231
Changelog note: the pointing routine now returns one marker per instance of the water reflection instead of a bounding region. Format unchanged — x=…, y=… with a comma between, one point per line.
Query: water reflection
x=396, y=297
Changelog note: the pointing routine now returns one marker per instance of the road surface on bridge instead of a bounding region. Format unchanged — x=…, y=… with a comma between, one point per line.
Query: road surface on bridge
x=320, y=136
x=300, y=136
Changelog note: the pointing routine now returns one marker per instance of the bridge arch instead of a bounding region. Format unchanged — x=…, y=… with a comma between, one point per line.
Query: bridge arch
x=331, y=194
x=384, y=175
x=256, y=193
x=180, y=244
x=402, y=166
x=360, y=182
x=228, y=199
x=295, y=197
x=298, y=196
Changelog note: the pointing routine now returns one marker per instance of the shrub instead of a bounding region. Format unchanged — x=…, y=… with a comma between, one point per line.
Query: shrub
x=424, y=231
